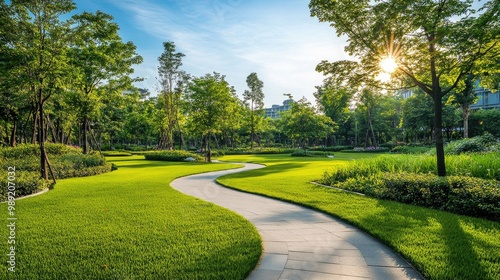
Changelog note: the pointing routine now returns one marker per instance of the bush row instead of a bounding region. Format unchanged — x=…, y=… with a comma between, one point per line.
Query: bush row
x=26, y=183
x=32, y=150
x=458, y=194
x=175, y=155
x=332, y=148
x=65, y=161
x=301, y=153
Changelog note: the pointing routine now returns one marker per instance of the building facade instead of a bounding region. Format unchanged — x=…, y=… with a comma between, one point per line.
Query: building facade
x=275, y=110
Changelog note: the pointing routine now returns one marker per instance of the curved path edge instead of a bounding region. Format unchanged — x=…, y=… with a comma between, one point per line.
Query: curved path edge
x=298, y=242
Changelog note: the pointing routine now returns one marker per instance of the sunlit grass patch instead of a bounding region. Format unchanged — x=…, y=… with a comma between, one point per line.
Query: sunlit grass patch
x=129, y=224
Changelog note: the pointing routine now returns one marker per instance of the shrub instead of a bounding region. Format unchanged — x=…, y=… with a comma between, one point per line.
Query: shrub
x=115, y=154
x=65, y=161
x=262, y=151
x=458, y=194
x=471, y=145
x=175, y=155
x=33, y=150
x=332, y=148
x=26, y=183
x=302, y=153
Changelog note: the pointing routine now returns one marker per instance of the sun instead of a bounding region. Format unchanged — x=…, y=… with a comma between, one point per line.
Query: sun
x=388, y=64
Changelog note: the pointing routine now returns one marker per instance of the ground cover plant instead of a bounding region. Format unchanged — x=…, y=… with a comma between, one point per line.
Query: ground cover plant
x=66, y=162
x=129, y=224
x=441, y=245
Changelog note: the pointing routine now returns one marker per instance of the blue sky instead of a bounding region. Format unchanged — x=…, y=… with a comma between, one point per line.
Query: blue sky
x=276, y=39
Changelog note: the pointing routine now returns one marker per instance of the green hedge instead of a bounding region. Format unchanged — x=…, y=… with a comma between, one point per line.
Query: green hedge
x=176, y=155
x=262, y=151
x=332, y=148
x=26, y=183
x=65, y=161
x=32, y=150
x=458, y=194
x=301, y=153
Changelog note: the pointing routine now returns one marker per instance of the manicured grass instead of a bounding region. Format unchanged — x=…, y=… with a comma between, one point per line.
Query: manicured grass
x=129, y=224
x=441, y=245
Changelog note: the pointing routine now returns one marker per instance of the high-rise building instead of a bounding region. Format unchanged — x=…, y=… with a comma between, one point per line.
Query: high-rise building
x=275, y=110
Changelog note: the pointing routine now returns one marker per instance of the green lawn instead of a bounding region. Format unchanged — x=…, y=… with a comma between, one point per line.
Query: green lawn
x=441, y=245
x=129, y=224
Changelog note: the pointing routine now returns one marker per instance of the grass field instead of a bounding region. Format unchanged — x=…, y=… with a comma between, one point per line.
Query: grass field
x=129, y=224
x=441, y=245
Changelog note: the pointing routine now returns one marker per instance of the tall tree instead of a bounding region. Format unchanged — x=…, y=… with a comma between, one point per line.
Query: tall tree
x=430, y=44
x=256, y=98
x=100, y=58
x=42, y=43
x=172, y=80
x=210, y=101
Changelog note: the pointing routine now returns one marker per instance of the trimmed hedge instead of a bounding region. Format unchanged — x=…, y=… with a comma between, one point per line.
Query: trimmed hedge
x=457, y=194
x=175, y=155
x=26, y=183
x=301, y=153
x=66, y=162
x=261, y=151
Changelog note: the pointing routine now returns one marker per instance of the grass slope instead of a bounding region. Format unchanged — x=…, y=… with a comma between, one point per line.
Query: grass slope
x=129, y=224
x=441, y=245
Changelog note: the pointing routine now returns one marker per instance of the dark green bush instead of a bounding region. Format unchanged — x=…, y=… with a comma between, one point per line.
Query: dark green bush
x=332, y=148
x=26, y=183
x=33, y=150
x=115, y=154
x=471, y=145
x=262, y=151
x=458, y=194
x=65, y=161
x=176, y=155
x=302, y=153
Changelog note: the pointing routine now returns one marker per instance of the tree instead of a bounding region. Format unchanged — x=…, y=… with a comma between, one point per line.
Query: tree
x=210, y=101
x=41, y=42
x=302, y=124
x=100, y=58
x=334, y=101
x=433, y=45
x=256, y=98
x=172, y=81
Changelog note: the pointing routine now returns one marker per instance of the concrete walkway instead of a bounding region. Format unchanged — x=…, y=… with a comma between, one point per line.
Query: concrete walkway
x=300, y=243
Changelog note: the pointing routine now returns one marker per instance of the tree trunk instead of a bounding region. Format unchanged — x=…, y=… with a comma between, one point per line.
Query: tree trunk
x=41, y=137
x=438, y=135
x=466, y=114
x=85, y=137
x=12, y=141
x=208, y=156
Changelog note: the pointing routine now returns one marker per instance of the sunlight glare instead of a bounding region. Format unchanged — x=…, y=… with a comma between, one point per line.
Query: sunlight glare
x=388, y=64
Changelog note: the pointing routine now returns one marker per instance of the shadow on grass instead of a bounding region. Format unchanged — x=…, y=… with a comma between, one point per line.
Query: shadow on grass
x=452, y=249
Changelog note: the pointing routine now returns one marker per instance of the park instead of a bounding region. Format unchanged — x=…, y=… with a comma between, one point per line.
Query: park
x=389, y=170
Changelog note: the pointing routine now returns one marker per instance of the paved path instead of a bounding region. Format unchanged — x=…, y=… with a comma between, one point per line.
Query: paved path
x=300, y=243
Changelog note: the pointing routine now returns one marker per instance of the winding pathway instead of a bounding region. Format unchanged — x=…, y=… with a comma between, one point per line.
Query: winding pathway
x=300, y=243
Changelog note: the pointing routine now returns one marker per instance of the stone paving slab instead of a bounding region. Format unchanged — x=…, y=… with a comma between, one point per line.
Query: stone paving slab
x=300, y=243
